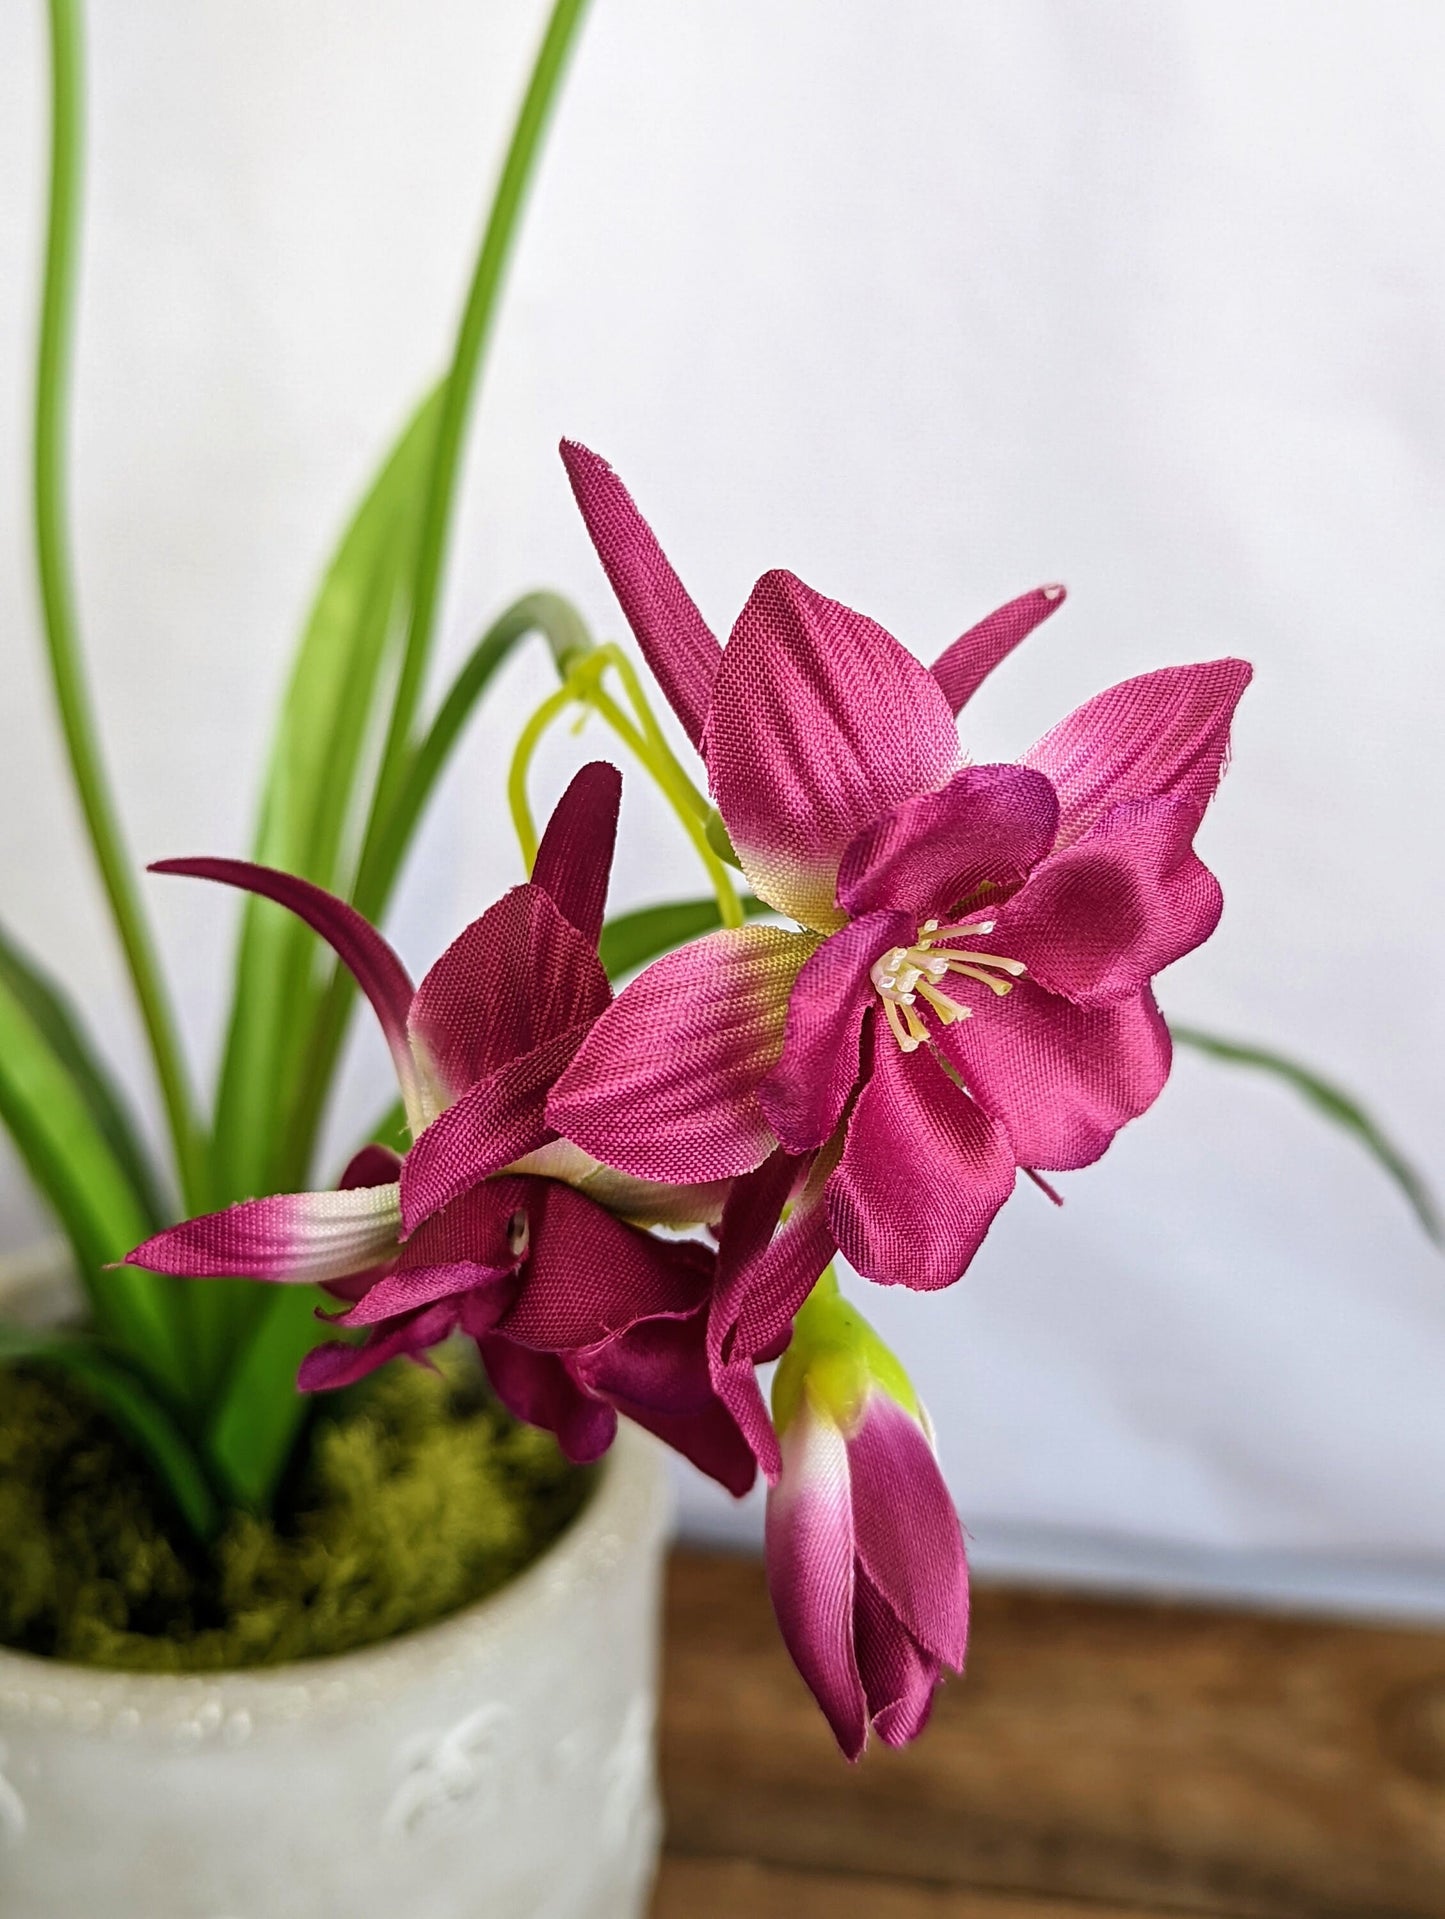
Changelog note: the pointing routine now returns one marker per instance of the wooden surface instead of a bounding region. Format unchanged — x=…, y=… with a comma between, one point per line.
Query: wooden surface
x=1143, y=1758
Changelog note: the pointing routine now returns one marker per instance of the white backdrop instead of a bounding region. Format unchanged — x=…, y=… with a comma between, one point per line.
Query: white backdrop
x=1150, y=299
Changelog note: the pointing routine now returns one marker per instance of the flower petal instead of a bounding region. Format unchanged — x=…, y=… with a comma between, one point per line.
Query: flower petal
x=983, y=832
x=336, y=1364
x=519, y=975
x=923, y=1172
x=1164, y=735
x=374, y=1165
x=1062, y=1078
x=809, y=1548
x=710, y=1440
x=404, y=1291
x=909, y=1541
x=589, y=1277
x=962, y=668
x=804, y=1095
x=538, y=1388
x=899, y=1680
x=574, y=860
x=354, y=940
x=1098, y=920
x=500, y=1120
x=676, y=641
x=666, y=1084
x=302, y=1238
x=820, y=723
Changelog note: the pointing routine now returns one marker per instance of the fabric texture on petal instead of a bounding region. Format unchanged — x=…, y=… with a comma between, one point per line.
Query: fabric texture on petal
x=1163, y=735
x=497, y=1122
x=588, y=1276
x=908, y=1538
x=519, y=975
x=574, y=861
x=962, y=668
x=1100, y=918
x=923, y=1172
x=665, y=1086
x=820, y=723
x=1061, y=1078
x=804, y=1095
x=301, y=1238
x=373, y=1165
x=809, y=1549
x=899, y=1678
x=676, y=641
x=983, y=832
x=355, y=941
x=336, y=1364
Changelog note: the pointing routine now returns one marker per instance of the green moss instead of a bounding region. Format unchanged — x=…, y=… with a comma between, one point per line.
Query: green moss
x=417, y=1495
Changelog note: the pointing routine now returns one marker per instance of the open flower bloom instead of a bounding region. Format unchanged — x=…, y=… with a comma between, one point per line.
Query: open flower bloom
x=967, y=990
x=491, y=1224
x=865, y=1554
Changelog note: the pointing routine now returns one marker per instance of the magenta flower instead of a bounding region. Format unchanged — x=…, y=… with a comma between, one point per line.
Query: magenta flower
x=492, y=1224
x=865, y=1554
x=968, y=988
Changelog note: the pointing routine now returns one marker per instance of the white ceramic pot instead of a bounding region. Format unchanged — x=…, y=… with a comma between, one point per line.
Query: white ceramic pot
x=499, y=1765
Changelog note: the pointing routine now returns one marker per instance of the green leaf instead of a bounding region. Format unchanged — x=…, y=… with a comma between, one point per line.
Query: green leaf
x=632, y=939
x=312, y=798
x=76, y=1169
x=1336, y=1105
x=138, y=1410
x=259, y=1412
x=59, y=1024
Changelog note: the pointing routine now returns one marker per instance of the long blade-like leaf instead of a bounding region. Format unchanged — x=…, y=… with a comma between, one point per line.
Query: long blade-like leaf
x=632, y=939
x=259, y=1411
x=97, y=1206
x=136, y=1409
x=311, y=799
x=1338, y=1106
x=51, y=1010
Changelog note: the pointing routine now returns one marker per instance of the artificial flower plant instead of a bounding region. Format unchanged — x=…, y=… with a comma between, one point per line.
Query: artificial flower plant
x=630, y=1204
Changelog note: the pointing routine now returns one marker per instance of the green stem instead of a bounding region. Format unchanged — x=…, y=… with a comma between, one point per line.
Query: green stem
x=58, y=598
x=472, y=336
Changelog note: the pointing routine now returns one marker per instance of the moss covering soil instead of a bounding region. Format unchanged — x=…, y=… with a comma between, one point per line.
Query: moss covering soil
x=416, y=1496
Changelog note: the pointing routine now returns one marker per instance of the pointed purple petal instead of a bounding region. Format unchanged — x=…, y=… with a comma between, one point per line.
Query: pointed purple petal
x=666, y=1084
x=303, y=1238
x=1061, y=1078
x=962, y=668
x=404, y=1291
x=354, y=940
x=923, y=1172
x=499, y=1121
x=574, y=860
x=809, y=1547
x=1100, y=918
x=982, y=833
x=908, y=1537
x=820, y=724
x=517, y=976
x=336, y=1364
x=374, y=1165
x=676, y=641
x=1164, y=735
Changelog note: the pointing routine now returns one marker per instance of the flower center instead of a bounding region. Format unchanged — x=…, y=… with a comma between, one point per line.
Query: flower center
x=906, y=974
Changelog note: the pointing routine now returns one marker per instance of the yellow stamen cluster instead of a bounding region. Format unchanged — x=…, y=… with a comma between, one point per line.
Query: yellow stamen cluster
x=906, y=974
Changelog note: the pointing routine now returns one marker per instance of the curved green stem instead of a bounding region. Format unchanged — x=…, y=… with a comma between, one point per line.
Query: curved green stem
x=58, y=598
x=472, y=336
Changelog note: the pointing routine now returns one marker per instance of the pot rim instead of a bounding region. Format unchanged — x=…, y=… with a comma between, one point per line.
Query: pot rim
x=627, y=1508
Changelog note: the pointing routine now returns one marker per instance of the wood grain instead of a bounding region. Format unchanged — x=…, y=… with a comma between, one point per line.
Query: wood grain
x=1170, y=1756
x=741, y=1889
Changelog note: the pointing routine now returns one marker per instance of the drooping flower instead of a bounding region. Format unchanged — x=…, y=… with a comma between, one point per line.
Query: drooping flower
x=865, y=1554
x=491, y=1224
x=968, y=988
